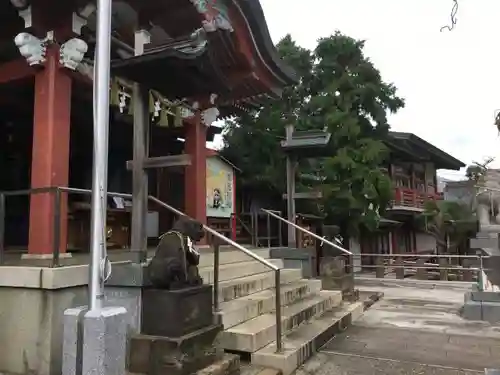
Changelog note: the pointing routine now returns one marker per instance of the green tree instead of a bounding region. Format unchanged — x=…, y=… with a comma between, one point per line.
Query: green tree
x=449, y=222
x=339, y=89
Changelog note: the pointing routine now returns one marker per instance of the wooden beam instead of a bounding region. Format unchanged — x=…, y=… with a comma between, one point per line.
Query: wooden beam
x=182, y=160
x=15, y=70
x=306, y=195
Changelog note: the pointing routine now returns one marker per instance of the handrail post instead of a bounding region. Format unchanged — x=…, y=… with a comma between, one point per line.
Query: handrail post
x=268, y=231
x=252, y=230
x=231, y=218
x=2, y=228
x=256, y=228
x=280, y=232
x=216, y=248
x=277, y=282
x=57, y=229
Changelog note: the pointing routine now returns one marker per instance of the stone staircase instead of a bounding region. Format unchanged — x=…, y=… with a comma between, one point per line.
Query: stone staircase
x=310, y=315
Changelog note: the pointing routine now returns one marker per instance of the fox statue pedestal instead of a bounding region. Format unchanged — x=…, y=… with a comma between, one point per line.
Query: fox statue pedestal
x=179, y=335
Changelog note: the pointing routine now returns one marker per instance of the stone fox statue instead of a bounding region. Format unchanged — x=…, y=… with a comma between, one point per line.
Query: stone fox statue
x=175, y=263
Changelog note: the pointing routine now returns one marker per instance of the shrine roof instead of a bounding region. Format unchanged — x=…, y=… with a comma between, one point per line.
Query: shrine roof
x=410, y=147
x=233, y=58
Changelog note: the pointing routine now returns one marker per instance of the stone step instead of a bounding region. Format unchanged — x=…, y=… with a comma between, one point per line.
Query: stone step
x=260, y=331
x=244, y=286
x=245, y=308
x=229, y=256
x=301, y=344
x=237, y=270
x=228, y=365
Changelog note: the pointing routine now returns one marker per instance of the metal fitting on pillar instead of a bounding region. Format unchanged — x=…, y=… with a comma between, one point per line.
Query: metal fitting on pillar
x=24, y=10
x=142, y=37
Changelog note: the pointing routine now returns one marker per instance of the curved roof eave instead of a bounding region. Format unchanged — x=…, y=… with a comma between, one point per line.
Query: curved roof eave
x=440, y=158
x=254, y=15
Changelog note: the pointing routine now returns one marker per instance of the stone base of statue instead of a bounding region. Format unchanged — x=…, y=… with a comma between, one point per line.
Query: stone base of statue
x=175, y=313
x=335, y=276
x=483, y=306
x=179, y=335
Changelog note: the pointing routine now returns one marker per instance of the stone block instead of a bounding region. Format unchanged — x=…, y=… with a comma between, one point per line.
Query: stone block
x=158, y=355
x=345, y=283
x=481, y=310
x=175, y=313
x=421, y=271
x=332, y=266
x=491, y=312
x=72, y=341
x=104, y=341
x=472, y=310
x=303, y=259
x=485, y=297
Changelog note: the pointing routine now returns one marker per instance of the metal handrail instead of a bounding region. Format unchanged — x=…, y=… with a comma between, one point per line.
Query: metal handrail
x=249, y=231
x=218, y=235
x=56, y=252
x=427, y=266
x=421, y=256
x=324, y=240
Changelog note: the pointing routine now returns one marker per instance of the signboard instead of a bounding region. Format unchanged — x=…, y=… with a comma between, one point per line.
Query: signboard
x=220, y=188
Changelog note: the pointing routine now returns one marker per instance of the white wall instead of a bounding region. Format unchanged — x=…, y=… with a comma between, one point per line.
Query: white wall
x=425, y=242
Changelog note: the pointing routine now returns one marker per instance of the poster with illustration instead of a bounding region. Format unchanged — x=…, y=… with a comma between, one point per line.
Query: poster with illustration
x=219, y=188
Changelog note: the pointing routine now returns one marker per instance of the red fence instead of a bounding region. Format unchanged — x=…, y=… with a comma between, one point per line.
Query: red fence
x=404, y=197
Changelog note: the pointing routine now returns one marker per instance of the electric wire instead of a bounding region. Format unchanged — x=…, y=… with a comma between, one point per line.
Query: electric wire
x=453, y=17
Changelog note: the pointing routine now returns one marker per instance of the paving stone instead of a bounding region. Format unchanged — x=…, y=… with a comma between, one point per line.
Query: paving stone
x=439, y=349
x=336, y=364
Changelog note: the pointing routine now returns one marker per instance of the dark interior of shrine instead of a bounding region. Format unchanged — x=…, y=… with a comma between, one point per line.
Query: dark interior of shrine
x=16, y=132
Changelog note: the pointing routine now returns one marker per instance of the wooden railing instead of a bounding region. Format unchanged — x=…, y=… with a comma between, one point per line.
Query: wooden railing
x=404, y=197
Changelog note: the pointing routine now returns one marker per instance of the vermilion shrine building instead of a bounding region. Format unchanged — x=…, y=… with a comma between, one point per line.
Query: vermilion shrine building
x=197, y=61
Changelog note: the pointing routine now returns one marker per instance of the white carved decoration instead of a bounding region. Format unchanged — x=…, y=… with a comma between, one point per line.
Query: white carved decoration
x=34, y=50
x=71, y=53
x=208, y=116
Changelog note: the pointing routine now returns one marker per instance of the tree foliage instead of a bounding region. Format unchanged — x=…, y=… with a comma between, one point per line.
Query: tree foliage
x=449, y=222
x=339, y=90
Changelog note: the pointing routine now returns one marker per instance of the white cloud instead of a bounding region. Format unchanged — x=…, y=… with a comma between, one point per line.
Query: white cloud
x=450, y=80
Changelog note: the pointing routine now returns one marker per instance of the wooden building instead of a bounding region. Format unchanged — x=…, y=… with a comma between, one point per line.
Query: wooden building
x=412, y=168
x=197, y=62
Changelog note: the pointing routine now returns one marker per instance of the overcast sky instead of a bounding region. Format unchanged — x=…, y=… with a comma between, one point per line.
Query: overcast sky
x=450, y=80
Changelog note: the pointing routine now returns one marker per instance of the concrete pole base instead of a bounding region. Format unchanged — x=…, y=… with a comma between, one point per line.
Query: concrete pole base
x=95, y=342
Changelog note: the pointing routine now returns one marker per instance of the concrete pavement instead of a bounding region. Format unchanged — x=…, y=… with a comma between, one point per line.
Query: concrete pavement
x=414, y=329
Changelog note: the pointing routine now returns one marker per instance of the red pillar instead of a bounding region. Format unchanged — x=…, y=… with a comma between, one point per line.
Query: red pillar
x=50, y=159
x=196, y=174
